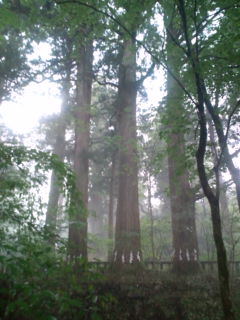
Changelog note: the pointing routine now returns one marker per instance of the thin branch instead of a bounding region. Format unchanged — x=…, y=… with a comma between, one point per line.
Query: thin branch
x=203, y=24
x=226, y=134
x=237, y=105
x=235, y=154
x=182, y=12
x=147, y=74
x=177, y=43
x=104, y=82
x=196, y=28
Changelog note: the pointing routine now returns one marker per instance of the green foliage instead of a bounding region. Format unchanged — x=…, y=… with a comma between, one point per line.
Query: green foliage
x=22, y=169
x=36, y=281
x=16, y=34
x=162, y=234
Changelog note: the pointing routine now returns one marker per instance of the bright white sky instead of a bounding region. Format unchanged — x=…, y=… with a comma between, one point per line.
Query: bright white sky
x=37, y=100
x=22, y=114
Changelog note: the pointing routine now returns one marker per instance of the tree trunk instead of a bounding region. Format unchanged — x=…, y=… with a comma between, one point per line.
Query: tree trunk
x=111, y=210
x=127, y=237
x=223, y=196
x=150, y=211
x=78, y=217
x=59, y=149
x=234, y=171
x=213, y=199
x=185, y=244
x=216, y=221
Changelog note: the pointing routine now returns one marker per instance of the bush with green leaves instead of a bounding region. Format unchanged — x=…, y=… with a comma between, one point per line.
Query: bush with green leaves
x=36, y=280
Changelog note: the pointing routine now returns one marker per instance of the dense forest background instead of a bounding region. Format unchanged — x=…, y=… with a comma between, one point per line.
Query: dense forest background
x=141, y=164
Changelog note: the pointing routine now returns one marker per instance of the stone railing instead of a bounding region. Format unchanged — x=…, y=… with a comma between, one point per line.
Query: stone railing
x=208, y=266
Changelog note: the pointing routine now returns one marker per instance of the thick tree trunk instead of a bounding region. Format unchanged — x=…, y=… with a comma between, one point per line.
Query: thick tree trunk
x=127, y=237
x=185, y=244
x=59, y=149
x=78, y=217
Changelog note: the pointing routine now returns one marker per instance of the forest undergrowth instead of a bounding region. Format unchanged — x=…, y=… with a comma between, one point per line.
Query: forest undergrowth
x=47, y=288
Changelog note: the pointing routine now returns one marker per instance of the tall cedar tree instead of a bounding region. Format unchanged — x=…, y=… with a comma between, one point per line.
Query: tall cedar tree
x=182, y=199
x=78, y=217
x=127, y=236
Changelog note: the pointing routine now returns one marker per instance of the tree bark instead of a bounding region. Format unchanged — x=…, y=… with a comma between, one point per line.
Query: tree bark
x=185, y=242
x=78, y=217
x=127, y=236
x=182, y=200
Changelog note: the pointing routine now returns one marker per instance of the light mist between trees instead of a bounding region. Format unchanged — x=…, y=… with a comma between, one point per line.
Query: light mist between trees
x=131, y=185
